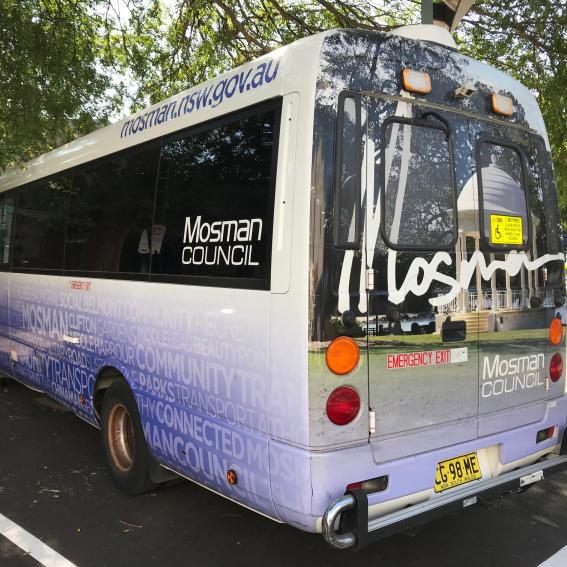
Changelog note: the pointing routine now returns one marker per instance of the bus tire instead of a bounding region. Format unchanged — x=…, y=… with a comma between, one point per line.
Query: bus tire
x=125, y=449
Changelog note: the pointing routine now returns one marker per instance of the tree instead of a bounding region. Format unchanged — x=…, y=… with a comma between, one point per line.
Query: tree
x=53, y=85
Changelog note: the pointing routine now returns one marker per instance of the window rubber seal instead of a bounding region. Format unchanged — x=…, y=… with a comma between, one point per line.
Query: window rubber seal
x=485, y=242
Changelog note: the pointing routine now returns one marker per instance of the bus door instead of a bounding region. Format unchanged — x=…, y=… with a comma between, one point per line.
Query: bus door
x=423, y=327
x=6, y=223
x=517, y=302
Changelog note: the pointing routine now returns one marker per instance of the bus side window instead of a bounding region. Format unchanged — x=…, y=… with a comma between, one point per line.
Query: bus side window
x=39, y=229
x=215, y=201
x=504, y=221
x=6, y=216
x=348, y=162
x=418, y=198
x=110, y=214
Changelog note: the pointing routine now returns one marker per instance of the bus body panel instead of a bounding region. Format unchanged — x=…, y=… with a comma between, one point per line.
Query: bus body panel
x=195, y=358
x=205, y=400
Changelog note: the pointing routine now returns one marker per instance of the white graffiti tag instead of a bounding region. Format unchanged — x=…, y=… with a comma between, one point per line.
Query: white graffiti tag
x=428, y=272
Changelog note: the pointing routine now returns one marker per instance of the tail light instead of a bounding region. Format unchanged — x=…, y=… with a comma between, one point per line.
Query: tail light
x=342, y=355
x=555, y=331
x=343, y=405
x=555, y=367
x=373, y=485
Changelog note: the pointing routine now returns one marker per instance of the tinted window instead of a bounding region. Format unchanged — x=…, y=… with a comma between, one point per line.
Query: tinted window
x=503, y=196
x=545, y=214
x=419, y=195
x=6, y=216
x=214, y=205
x=41, y=211
x=347, y=182
x=110, y=218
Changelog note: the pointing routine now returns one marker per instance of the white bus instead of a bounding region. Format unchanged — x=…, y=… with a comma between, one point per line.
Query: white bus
x=198, y=281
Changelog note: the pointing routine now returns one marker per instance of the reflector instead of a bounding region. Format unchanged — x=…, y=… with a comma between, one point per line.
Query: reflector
x=555, y=331
x=342, y=355
x=343, y=405
x=556, y=367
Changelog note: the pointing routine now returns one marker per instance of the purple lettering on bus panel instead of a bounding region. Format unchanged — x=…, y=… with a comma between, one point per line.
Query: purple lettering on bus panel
x=199, y=375
x=211, y=96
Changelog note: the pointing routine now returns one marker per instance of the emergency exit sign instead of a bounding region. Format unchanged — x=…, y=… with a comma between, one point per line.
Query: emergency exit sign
x=427, y=358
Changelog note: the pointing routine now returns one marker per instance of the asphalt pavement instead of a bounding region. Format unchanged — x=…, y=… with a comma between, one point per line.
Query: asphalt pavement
x=53, y=484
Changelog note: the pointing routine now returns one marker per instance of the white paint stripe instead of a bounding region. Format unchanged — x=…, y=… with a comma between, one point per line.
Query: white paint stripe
x=557, y=560
x=31, y=545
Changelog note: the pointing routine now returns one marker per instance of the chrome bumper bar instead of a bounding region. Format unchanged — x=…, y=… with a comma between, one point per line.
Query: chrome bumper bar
x=345, y=522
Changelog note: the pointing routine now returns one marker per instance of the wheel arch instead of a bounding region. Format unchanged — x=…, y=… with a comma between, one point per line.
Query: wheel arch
x=106, y=376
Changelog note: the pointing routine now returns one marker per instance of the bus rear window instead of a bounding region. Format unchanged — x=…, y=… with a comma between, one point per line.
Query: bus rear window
x=502, y=196
x=418, y=205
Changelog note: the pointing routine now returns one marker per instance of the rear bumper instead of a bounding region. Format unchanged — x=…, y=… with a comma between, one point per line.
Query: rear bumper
x=346, y=525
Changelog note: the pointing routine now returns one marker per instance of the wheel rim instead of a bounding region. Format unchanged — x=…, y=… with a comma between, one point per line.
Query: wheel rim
x=121, y=438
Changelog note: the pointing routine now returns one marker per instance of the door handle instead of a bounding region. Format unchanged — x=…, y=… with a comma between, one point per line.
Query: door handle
x=452, y=331
x=72, y=340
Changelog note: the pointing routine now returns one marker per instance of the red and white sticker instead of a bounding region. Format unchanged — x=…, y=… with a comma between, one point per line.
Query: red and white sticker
x=427, y=358
x=81, y=285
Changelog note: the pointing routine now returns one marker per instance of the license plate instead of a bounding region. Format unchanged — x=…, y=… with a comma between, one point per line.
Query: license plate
x=457, y=471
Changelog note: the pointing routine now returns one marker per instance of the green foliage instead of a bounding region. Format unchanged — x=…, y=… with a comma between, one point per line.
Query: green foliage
x=205, y=38
x=60, y=59
x=51, y=87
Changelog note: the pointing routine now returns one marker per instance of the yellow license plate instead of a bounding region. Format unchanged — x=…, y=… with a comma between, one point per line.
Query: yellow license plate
x=457, y=471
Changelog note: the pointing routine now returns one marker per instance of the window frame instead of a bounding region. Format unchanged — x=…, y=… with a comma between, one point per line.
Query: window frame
x=274, y=103
x=420, y=122
x=554, y=245
x=485, y=242
x=337, y=173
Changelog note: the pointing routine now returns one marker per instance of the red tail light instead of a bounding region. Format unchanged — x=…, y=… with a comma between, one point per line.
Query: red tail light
x=343, y=405
x=556, y=367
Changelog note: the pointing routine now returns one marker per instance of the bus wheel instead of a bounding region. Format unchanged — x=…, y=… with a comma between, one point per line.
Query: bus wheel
x=123, y=440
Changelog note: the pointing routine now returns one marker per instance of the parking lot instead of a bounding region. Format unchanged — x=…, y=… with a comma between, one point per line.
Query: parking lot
x=54, y=486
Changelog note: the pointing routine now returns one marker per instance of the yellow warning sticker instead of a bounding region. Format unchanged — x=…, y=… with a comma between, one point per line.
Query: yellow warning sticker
x=505, y=229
